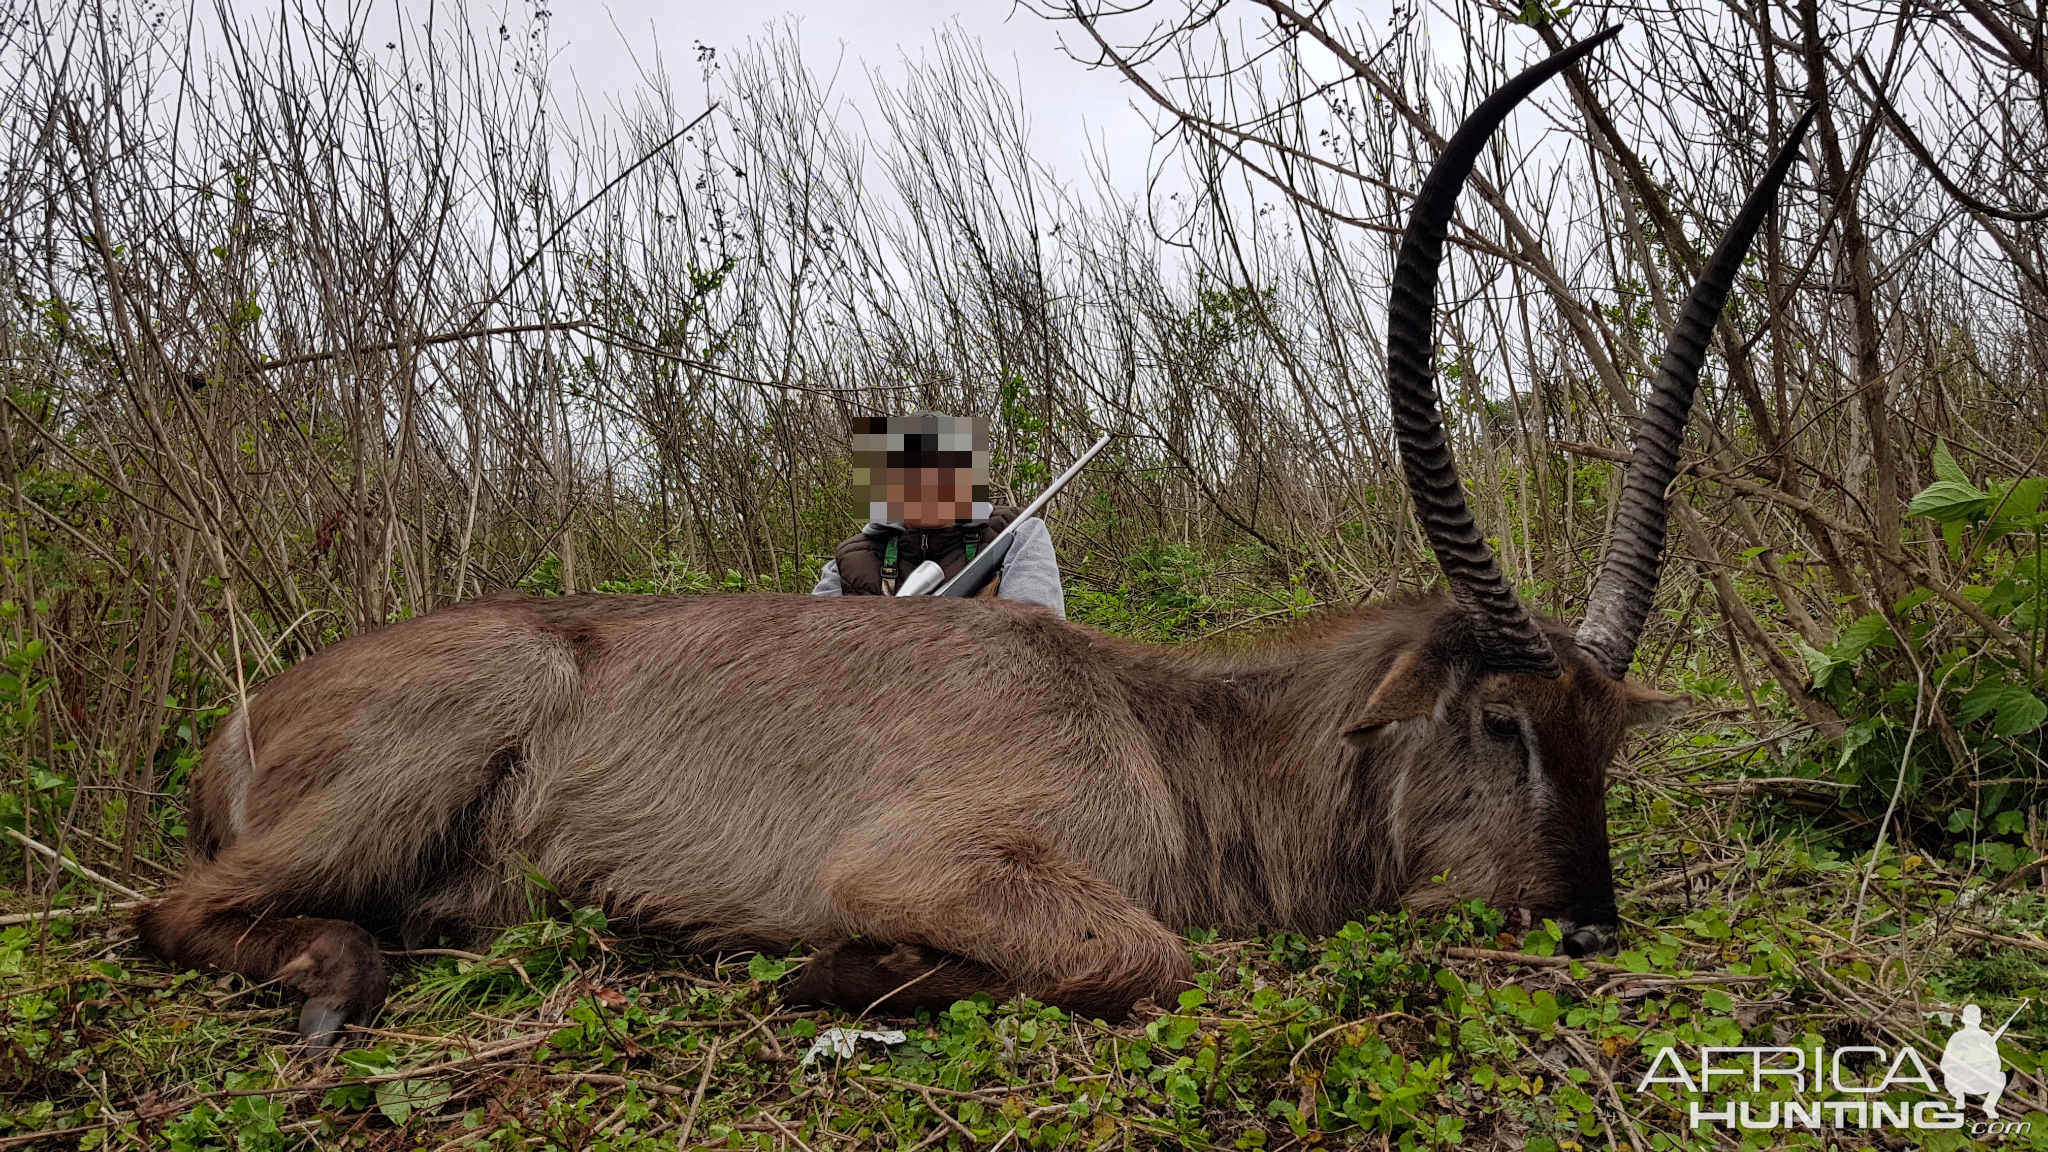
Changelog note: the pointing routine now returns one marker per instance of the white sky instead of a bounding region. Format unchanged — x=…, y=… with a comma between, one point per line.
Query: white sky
x=1068, y=105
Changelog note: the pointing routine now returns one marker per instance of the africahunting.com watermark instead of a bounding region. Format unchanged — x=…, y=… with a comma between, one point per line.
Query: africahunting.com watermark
x=1970, y=1066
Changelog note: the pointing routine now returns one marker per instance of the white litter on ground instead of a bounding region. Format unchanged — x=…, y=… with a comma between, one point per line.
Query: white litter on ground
x=840, y=1041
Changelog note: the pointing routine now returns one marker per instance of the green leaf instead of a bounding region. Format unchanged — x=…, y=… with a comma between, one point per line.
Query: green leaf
x=1945, y=466
x=1854, y=737
x=369, y=1061
x=1710, y=924
x=1541, y=1013
x=350, y=1097
x=2017, y=710
x=1870, y=631
x=2019, y=499
x=1949, y=502
x=399, y=1099
x=2020, y=715
x=765, y=968
x=1984, y=699
x=1819, y=665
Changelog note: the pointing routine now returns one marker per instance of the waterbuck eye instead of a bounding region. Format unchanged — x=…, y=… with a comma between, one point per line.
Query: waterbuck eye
x=1501, y=725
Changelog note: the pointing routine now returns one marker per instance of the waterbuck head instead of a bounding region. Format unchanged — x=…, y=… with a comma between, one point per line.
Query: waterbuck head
x=1526, y=715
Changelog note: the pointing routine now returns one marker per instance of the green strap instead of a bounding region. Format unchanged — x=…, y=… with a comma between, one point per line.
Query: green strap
x=889, y=553
x=970, y=551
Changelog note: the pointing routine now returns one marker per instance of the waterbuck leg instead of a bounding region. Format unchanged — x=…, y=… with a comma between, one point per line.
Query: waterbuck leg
x=356, y=786
x=334, y=963
x=898, y=978
x=1000, y=913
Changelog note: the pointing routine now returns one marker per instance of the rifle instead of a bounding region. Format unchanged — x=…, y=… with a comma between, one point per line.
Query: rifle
x=930, y=579
x=2009, y=1019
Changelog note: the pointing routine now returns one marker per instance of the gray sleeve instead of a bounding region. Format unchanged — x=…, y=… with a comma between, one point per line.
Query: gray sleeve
x=828, y=580
x=1031, y=572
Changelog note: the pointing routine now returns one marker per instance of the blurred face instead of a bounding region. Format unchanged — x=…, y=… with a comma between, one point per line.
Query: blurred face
x=931, y=497
x=925, y=471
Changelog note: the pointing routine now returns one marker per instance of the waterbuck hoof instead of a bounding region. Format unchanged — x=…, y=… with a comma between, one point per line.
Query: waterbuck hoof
x=339, y=970
x=855, y=974
x=1595, y=940
x=320, y=1023
x=861, y=975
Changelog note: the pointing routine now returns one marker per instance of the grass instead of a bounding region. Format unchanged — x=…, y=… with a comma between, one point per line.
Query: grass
x=1398, y=1032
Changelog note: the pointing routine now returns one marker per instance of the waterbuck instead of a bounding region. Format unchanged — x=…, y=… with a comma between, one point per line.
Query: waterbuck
x=1034, y=814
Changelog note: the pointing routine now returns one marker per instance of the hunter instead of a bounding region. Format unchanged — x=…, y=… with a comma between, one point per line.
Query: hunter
x=924, y=482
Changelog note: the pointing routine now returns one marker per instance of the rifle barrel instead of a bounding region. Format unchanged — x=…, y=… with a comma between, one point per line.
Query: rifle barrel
x=2009, y=1019
x=990, y=558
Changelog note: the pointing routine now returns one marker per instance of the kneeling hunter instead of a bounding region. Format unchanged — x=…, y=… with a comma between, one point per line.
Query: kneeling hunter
x=925, y=483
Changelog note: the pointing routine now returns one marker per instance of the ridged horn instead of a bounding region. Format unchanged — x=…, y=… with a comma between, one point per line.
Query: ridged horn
x=1507, y=635
x=1635, y=554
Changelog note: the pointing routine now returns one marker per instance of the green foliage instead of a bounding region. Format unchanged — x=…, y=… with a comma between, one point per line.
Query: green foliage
x=2003, y=508
x=2017, y=710
x=1163, y=599
x=664, y=576
x=1022, y=446
x=1222, y=317
x=20, y=688
x=545, y=579
x=523, y=962
x=1542, y=13
x=1173, y=592
x=1989, y=693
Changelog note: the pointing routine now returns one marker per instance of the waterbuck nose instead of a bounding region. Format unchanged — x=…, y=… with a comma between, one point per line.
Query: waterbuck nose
x=1593, y=940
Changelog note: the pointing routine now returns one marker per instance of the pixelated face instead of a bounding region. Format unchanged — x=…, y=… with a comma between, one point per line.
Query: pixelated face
x=927, y=471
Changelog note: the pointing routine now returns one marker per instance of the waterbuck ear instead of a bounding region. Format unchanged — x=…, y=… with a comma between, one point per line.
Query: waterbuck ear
x=1409, y=690
x=1648, y=708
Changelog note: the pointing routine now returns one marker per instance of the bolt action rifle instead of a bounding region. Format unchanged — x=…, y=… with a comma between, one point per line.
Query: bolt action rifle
x=930, y=579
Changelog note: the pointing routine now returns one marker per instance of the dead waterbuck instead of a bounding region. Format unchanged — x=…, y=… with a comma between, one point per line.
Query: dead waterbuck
x=1034, y=814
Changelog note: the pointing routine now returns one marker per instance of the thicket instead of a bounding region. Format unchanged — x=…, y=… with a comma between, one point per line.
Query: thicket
x=303, y=333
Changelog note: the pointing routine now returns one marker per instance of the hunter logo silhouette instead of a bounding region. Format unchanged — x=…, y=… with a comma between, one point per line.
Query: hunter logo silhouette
x=1970, y=1065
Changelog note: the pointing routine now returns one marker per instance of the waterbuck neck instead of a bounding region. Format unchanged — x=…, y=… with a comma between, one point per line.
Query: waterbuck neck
x=1285, y=823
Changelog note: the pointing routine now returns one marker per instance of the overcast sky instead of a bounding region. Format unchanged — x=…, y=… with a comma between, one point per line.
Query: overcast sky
x=1068, y=104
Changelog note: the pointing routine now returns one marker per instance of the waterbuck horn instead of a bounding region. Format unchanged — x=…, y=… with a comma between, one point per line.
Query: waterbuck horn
x=1628, y=578
x=1508, y=637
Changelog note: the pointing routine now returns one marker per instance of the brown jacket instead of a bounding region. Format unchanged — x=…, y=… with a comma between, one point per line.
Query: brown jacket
x=861, y=559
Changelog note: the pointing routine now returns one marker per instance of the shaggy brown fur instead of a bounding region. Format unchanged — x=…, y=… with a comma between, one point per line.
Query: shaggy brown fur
x=1033, y=814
